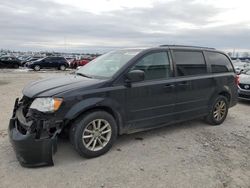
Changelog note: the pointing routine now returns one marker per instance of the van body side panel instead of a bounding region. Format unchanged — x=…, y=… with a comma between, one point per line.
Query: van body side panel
x=192, y=96
x=149, y=104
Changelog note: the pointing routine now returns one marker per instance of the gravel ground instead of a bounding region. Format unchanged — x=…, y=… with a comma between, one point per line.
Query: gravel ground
x=190, y=154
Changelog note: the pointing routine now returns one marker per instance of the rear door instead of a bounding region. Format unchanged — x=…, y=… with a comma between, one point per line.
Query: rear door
x=57, y=61
x=194, y=85
x=46, y=62
x=53, y=62
x=151, y=102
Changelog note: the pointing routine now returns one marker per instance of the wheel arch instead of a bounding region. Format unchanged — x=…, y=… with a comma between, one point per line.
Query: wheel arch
x=226, y=94
x=97, y=104
x=224, y=91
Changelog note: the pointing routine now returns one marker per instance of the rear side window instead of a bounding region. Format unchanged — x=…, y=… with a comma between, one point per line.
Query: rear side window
x=62, y=59
x=189, y=63
x=219, y=62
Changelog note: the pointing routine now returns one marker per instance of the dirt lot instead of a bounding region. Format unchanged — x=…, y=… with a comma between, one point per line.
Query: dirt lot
x=190, y=154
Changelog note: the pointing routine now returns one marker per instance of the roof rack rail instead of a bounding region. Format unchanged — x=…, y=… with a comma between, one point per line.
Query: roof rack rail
x=165, y=45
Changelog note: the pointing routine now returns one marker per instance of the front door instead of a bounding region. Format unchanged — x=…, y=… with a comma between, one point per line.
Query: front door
x=151, y=102
x=46, y=62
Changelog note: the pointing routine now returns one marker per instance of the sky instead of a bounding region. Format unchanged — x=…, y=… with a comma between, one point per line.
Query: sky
x=102, y=25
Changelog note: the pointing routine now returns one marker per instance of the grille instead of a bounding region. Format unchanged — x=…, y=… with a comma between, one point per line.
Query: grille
x=245, y=86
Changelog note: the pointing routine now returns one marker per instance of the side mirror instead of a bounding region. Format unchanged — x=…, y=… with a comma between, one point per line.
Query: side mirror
x=135, y=76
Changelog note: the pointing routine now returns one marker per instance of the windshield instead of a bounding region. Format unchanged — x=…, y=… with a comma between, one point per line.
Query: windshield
x=108, y=64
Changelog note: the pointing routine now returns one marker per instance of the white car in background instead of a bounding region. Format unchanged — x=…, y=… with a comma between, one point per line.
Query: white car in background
x=244, y=85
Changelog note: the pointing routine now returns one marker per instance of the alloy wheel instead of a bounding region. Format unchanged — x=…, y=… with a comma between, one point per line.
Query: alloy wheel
x=96, y=134
x=37, y=68
x=219, y=110
x=62, y=67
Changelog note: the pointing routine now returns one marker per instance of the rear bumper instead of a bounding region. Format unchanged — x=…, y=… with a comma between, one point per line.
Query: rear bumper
x=30, y=150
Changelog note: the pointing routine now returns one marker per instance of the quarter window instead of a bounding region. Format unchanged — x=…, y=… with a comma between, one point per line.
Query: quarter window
x=189, y=63
x=155, y=66
x=219, y=62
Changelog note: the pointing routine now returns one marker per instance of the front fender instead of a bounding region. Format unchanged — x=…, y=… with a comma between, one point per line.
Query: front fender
x=95, y=103
x=82, y=106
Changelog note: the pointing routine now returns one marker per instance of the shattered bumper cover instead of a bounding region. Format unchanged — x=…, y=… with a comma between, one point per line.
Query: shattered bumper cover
x=32, y=150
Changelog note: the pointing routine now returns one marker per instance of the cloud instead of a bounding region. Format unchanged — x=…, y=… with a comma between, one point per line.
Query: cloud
x=49, y=25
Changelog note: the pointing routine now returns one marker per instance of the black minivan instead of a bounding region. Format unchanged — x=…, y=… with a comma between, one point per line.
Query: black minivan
x=121, y=92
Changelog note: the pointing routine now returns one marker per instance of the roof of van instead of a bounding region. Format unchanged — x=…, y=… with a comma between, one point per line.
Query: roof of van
x=188, y=47
x=170, y=46
x=185, y=47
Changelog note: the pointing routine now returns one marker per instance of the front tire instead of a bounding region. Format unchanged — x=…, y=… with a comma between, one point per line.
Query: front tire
x=93, y=134
x=218, y=111
x=37, y=68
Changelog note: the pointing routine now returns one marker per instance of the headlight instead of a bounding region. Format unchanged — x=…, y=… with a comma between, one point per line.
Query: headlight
x=46, y=104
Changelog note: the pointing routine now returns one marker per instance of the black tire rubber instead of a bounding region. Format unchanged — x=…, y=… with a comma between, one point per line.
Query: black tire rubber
x=210, y=117
x=79, y=125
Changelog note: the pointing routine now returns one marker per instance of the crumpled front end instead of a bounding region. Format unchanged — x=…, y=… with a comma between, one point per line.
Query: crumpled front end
x=33, y=135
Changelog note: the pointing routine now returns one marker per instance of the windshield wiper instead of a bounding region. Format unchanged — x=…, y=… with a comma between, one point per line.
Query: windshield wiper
x=84, y=75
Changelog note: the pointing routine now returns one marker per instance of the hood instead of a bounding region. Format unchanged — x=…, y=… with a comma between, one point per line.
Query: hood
x=52, y=86
x=244, y=79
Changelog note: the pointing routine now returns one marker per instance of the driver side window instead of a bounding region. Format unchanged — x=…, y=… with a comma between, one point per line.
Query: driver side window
x=155, y=66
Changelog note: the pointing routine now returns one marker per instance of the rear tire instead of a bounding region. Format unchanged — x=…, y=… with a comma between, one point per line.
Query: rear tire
x=93, y=134
x=218, y=111
x=62, y=67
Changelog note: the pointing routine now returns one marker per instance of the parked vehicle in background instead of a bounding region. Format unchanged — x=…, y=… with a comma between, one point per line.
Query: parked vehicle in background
x=9, y=62
x=70, y=59
x=242, y=59
x=78, y=63
x=30, y=59
x=240, y=66
x=244, y=85
x=23, y=58
x=49, y=62
x=121, y=92
x=82, y=61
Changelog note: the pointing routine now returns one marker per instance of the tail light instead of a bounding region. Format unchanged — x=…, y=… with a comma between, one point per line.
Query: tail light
x=237, y=79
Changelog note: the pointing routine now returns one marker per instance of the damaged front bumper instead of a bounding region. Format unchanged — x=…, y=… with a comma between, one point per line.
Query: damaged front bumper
x=34, y=141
